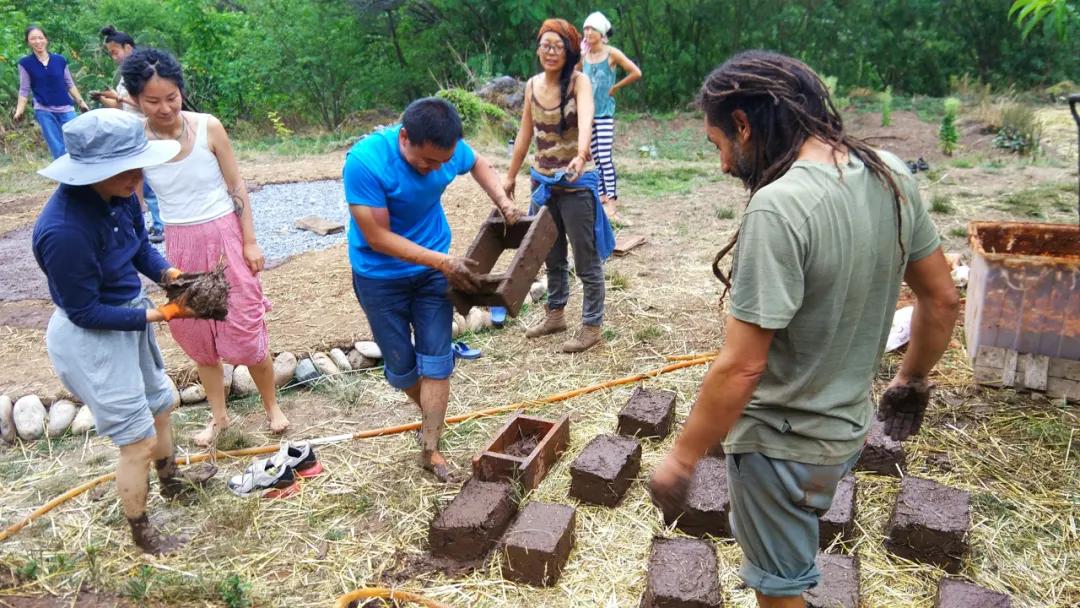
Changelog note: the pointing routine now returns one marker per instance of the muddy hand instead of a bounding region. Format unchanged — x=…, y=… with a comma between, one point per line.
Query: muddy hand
x=669, y=485
x=459, y=273
x=170, y=276
x=902, y=407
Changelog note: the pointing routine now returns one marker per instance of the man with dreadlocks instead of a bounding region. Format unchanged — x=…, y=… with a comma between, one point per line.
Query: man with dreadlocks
x=830, y=229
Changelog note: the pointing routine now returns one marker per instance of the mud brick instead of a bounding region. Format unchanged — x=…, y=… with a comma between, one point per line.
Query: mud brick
x=604, y=469
x=929, y=523
x=683, y=573
x=536, y=547
x=839, y=520
x=881, y=454
x=531, y=236
x=473, y=522
x=648, y=413
x=839, y=586
x=952, y=593
x=707, y=502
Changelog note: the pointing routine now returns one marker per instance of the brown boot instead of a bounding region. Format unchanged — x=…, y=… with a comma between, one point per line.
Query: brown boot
x=554, y=322
x=174, y=482
x=149, y=539
x=585, y=338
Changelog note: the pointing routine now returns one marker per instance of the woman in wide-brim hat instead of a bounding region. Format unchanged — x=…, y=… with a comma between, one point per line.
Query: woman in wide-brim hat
x=91, y=244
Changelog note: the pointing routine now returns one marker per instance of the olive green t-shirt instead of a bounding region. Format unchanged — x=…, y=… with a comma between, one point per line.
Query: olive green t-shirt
x=818, y=261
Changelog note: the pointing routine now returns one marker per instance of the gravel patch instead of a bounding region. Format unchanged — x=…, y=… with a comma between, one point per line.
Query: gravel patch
x=276, y=207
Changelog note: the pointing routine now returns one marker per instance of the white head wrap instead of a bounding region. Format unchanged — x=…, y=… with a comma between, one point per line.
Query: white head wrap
x=598, y=22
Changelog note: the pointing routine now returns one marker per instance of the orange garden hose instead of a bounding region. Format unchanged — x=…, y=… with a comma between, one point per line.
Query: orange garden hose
x=364, y=434
x=387, y=594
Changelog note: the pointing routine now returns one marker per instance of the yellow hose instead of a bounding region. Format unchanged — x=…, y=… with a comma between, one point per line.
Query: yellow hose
x=387, y=594
x=364, y=434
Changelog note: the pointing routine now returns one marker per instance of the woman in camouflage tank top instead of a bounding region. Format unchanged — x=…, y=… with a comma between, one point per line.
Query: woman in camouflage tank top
x=559, y=112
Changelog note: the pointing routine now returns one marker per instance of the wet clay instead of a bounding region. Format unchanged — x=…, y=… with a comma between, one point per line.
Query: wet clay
x=524, y=445
x=536, y=547
x=471, y=524
x=839, y=520
x=1015, y=238
x=707, y=501
x=207, y=292
x=603, y=471
x=881, y=454
x=839, y=586
x=648, y=413
x=929, y=523
x=952, y=593
x=683, y=573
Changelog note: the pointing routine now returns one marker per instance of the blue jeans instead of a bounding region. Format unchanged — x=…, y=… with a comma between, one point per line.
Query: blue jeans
x=152, y=206
x=52, y=124
x=396, y=310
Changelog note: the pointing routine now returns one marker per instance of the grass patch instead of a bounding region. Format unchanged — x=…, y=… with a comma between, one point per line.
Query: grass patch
x=958, y=232
x=941, y=204
x=1032, y=202
x=725, y=213
x=617, y=281
x=235, y=438
x=297, y=145
x=676, y=180
x=648, y=333
x=963, y=163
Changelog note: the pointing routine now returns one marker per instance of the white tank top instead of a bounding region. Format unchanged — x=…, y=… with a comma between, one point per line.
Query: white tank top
x=191, y=190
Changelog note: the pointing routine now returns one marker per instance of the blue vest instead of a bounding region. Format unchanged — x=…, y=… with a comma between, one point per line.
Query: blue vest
x=47, y=83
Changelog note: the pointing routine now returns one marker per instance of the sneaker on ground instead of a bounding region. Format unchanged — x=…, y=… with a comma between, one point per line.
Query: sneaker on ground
x=264, y=475
x=300, y=457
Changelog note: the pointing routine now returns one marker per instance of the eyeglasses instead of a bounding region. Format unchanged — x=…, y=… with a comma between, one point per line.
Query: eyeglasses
x=551, y=49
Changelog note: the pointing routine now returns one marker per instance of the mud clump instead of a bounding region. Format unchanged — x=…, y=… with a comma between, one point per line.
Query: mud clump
x=523, y=446
x=206, y=293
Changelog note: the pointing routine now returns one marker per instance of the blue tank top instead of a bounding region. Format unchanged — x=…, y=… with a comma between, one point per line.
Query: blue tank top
x=603, y=78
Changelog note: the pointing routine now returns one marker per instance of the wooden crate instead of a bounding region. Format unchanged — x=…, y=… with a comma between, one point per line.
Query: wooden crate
x=1058, y=378
x=494, y=464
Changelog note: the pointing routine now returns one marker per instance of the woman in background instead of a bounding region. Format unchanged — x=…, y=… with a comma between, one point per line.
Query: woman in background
x=598, y=61
x=47, y=77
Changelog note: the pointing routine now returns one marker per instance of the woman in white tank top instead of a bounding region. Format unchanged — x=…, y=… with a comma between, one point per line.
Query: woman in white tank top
x=208, y=220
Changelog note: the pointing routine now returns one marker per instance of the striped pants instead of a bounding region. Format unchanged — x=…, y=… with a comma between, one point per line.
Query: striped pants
x=603, y=136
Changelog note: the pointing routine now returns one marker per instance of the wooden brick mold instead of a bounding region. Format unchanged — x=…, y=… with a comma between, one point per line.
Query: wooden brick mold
x=523, y=450
x=531, y=236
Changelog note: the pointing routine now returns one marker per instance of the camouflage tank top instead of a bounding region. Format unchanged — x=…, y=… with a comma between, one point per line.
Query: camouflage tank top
x=554, y=151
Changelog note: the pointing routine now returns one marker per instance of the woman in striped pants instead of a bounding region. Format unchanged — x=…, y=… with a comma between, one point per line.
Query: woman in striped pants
x=598, y=61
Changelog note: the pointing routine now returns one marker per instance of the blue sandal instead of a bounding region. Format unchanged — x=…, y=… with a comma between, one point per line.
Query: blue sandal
x=498, y=316
x=464, y=351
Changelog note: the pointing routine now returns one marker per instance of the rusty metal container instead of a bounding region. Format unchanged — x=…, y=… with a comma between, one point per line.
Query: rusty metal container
x=1023, y=303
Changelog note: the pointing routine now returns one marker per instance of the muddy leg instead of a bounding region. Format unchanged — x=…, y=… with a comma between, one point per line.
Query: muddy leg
x=434, y=396
x=263, y=375
x=132, y=485
x=172, y=481
x=213, y=380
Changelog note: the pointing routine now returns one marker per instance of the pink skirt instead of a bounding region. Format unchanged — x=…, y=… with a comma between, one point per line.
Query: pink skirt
x=242, y=338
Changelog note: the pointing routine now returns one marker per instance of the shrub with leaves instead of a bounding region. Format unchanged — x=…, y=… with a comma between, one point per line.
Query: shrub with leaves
x=1021, y=130
x=234, y=592
x=886, y=106
x=947, y=134
x=475, y=112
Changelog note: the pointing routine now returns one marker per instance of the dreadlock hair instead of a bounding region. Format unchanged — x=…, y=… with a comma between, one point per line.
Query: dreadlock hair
x=786, y=104
x=572, y=44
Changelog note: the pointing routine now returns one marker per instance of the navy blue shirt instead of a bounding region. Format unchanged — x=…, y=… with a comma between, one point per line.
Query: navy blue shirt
x=92, y=252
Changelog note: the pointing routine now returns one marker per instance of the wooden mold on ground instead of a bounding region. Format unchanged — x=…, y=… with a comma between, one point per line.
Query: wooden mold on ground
x=523, y=450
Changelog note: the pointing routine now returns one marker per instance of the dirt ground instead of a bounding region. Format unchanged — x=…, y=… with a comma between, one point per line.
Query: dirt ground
x=366, y=521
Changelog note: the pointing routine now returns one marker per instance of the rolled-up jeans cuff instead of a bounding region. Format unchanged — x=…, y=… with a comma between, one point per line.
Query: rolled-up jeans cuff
x=436, y=367
x=771, y=585
x=402, y=381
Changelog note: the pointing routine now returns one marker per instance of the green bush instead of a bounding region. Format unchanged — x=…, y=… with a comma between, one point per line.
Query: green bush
x=947, y=134
x=1021, y=130
x=886, y=106
x=477, y=114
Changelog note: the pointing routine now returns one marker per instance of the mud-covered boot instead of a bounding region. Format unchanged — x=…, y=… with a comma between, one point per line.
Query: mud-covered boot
x=149, y=539
x=554, y=322
x=174, y=482
x=585, y=338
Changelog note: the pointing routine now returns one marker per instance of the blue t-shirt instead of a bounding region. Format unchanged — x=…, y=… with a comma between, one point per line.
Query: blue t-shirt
x=377, y=175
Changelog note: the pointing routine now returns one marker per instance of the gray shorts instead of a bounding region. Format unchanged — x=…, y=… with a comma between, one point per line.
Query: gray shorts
x=775, y=505
x=119, y=375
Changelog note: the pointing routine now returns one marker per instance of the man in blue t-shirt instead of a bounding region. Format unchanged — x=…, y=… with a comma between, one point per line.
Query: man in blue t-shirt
x=399, y=241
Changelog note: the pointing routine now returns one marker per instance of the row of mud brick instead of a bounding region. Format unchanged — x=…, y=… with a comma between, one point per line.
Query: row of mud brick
x=929, y=522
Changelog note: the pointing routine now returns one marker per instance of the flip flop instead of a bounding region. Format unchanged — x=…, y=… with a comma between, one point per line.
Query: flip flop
x=498, y=316
x=464, y=351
